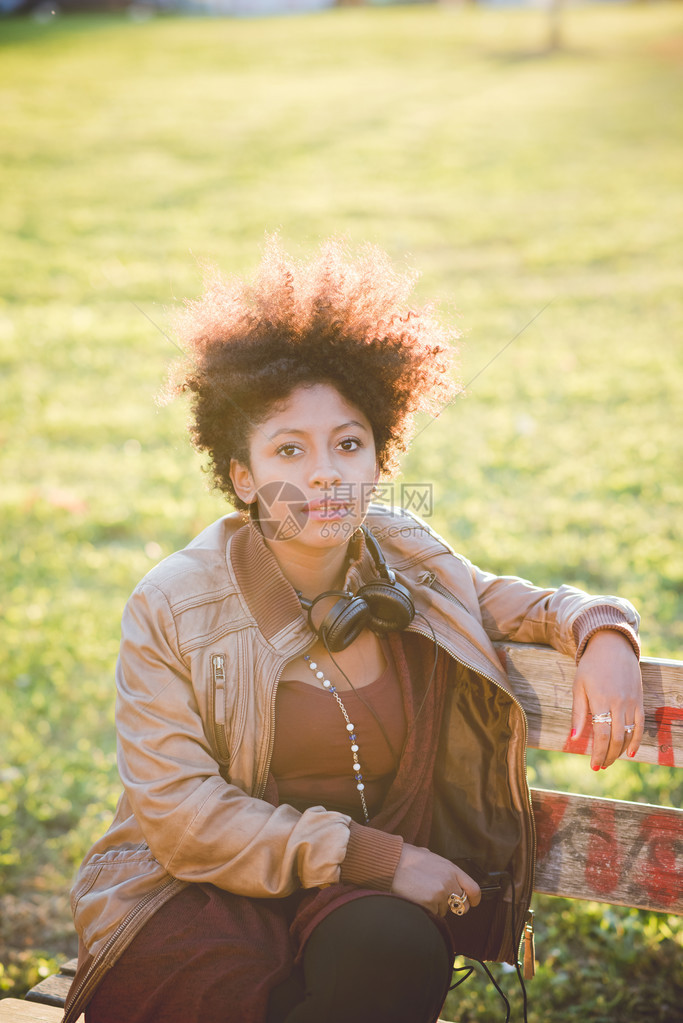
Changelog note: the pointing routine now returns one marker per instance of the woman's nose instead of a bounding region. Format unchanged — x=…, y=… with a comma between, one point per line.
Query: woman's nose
x=324, y=474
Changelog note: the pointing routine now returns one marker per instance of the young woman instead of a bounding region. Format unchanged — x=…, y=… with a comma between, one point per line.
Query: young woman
x=323, y=767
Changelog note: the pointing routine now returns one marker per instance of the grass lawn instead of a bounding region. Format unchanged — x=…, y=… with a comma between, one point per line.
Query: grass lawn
x=539, y=194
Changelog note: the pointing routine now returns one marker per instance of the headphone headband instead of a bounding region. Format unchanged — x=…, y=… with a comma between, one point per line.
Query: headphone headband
x=377, y=556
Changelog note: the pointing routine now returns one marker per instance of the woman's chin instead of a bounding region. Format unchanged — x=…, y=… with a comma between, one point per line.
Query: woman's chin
x=319, y=532
x=329, y=531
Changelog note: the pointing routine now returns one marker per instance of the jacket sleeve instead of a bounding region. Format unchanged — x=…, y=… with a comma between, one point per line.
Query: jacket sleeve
x=514, y=609
x=198, y=826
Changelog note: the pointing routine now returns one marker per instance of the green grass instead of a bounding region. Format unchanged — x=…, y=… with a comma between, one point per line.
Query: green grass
x=522, y=184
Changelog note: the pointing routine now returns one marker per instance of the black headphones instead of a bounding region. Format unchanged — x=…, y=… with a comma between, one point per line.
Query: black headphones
x=382, y=606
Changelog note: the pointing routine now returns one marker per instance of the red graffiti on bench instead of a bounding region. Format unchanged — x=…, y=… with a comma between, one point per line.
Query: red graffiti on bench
x=665, y=717
x=592, y=830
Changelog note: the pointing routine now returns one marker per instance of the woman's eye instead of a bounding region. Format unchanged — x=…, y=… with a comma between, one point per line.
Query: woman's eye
x=288, y=450
x=349, y=444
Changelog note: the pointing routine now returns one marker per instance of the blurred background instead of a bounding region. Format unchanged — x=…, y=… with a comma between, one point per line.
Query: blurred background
x=527, y=161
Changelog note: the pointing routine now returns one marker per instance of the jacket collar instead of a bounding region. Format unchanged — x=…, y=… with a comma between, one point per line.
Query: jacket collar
x=270, y=597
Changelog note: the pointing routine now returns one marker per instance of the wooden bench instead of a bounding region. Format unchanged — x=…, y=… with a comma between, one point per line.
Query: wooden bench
x=591, y=848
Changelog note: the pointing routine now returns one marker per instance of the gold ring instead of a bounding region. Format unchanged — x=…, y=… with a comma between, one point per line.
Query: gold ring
x=456, y=903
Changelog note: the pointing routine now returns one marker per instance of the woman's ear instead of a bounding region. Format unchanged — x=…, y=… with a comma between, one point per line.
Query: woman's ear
x=242, y=481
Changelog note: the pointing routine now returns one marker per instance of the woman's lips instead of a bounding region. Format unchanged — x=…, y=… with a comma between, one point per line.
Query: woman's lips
x=327, y=510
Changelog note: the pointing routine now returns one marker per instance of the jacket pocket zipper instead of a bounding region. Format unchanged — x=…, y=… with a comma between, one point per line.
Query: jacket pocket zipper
x=429, y=579
x=218, y=706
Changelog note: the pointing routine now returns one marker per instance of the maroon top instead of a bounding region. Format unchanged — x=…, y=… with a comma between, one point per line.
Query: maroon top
x=312, y=759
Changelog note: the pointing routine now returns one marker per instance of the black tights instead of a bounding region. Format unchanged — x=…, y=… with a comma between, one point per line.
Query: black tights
x=374, y=960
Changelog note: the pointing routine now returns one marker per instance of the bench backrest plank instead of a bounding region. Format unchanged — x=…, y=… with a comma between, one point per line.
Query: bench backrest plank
x=541, y=679
x=605, y=850
x=608, y=850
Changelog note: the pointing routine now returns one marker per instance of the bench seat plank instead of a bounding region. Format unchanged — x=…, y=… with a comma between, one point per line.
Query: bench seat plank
x=13, y=1010
x=608, y=850
x=51, y=991
x=541, y=679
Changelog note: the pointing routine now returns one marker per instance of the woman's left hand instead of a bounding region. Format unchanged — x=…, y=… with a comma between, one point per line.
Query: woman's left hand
x=608, y=680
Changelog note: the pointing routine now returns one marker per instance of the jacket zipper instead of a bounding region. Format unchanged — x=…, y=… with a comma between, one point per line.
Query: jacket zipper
x=218, y=682
x=100, y=964
x=429, y=579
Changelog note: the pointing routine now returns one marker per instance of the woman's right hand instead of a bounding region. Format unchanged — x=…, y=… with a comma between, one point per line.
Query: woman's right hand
x=428, y=879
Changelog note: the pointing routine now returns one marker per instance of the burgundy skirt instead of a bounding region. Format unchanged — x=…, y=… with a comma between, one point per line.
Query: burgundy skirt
x=192, y=953
x=209, y=956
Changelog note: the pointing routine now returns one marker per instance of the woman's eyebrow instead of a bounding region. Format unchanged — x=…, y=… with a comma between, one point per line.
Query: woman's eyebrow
x=300, y=433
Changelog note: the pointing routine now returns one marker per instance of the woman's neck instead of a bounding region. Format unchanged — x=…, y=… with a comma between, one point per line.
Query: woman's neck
x=311, y=572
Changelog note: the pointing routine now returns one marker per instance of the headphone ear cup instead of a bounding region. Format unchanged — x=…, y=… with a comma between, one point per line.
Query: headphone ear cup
x=390, y=605
x=344, y=622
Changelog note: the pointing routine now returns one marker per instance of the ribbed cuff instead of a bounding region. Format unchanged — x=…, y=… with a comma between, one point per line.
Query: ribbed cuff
x=596, y=619
x=371, y=858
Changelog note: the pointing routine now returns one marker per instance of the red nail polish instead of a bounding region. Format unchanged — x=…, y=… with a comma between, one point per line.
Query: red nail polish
x=572, y=734
x=632, y=754
x=596, y=768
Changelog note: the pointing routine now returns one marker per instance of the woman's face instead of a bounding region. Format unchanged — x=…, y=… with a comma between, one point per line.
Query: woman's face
x=312, y=466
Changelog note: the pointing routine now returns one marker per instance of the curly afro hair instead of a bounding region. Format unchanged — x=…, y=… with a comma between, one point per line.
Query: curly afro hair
x=334, y=319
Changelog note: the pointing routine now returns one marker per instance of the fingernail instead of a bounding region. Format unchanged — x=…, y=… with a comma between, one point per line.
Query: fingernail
x=572, y=734
x=632, y=754
x=596, y=768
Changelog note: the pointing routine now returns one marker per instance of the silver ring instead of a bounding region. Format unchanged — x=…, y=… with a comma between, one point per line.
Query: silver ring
x=629, y=728
x=602, y=719
x=456, y=903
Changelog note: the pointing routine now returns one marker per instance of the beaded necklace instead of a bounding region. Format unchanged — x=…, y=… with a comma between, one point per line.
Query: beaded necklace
x=349, y=728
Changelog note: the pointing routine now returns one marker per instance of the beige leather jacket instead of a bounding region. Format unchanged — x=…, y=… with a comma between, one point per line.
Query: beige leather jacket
x=205, y=637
